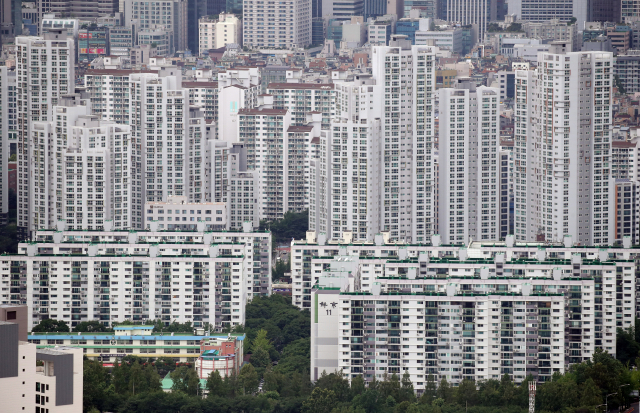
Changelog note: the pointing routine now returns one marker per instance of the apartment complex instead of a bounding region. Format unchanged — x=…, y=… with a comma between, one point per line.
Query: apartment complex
x=476, y=313
x=111, y=275
x=276, y=25
x=562, y=151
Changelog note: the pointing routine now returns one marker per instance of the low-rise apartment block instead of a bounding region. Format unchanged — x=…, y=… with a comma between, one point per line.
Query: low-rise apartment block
x=79, y=275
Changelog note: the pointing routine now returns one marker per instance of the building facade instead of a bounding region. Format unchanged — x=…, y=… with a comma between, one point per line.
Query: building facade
x=562, y=152
x=53, y=57
x=201, y=277
x=285, y=25
x=469, y=190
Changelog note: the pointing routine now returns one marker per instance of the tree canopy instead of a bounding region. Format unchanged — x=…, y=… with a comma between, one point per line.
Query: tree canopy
x=51, y=326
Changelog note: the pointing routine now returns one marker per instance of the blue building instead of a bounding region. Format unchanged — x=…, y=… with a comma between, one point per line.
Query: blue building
x=408, y=27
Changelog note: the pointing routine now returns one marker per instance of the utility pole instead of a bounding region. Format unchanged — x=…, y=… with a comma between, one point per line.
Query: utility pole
x=532, y=397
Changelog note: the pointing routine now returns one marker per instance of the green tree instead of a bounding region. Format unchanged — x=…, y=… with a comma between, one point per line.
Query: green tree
x=507, y=390
x=51, y=326
x=357, y=386
x=292, y=225
x=92, y=327
x=152, y=378
x=590, y=394
x=215, y=385
x=445, y=392
x=430, y=390
x=407, y=392
x=13, y=157
x=165, y=365
x=120, y=377
x=280, y=269
x=466, y=394
x=320, y=401
x=248, y=379
x=185, y=380
x=94, y=385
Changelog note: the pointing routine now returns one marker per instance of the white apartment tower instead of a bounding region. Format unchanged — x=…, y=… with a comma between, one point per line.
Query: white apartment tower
x=45, y=70
x=404, y=96
x=563, y=183
x=282, y=25
x=345, y=176
x=469, y=143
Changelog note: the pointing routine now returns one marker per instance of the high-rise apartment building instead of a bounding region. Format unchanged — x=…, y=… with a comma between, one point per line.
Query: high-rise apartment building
x=414, y=287
x=237, y=89
x=563, y=183
x=404, y=96
x=374, y=171
x=345, y=190
x=470, y=190
x=205, y=95
x=282, y=25
x=45, y=68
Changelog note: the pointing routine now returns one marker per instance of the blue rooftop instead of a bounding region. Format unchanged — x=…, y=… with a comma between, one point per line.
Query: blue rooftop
x=133, y=328
x=90, y=336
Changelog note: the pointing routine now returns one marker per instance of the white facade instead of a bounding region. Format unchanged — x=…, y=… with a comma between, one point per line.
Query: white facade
x=53, y=57
x=469, y=188
x=34, y=388
x=563, y=183
x=443, y=39
x=404, y=96
x=177, y=213
x=215, y=34
x=237, y=89
x=303, y=98
x=279, y=153
x=476, y=12
x=282, y=25
x=424, y=283
x=557, y=9
x=183, y=276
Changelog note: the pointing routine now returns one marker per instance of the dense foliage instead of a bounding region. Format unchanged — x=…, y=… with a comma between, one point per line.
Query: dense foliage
x=292, y=225
x=277, y=381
